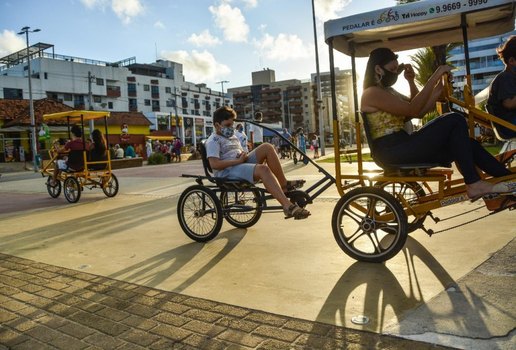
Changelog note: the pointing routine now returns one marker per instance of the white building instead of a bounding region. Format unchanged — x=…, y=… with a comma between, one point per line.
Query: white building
x=484, y=62
x=158, y=90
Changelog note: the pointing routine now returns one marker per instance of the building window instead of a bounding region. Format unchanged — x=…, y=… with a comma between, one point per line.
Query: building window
x=133, y=105
x=185, y=111
x=155, y=91
x=155, y=105
x=67, y=97
x=146, y=102
x=45, y=75
x=97, y=99
x=154, y=81
x=110, y=105
x=168, y=89
x=78, y=101
x=100, y=81
x=131, y=79
x=146, y=87
x=131, y=89
x=13, y=94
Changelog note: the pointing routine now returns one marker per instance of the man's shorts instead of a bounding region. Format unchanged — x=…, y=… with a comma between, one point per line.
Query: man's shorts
x=244, y=171
x=61, y=164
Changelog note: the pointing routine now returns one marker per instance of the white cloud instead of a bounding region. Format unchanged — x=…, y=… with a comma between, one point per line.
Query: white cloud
x=198, y=66
x=203, y=39
x=231, y=21
x=92, y=4
x=283, y=47
x=159, y=25
x=250, y=3
x=328, y=9
x=10, y=42
x=127, y=9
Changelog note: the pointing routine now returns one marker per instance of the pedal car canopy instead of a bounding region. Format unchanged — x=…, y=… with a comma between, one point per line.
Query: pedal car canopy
x=418, y=24
x=76, y=116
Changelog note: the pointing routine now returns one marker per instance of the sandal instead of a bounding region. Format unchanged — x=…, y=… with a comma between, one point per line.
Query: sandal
x=296, y=212
x=499, y=203
x=294, y=185
x=505, y=187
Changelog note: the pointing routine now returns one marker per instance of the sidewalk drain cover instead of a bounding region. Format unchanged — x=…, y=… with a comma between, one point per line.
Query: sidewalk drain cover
x=360, y=319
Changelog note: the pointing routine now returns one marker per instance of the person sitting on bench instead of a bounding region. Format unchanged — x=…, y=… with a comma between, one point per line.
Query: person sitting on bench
x=443, y=140
x=228, y=160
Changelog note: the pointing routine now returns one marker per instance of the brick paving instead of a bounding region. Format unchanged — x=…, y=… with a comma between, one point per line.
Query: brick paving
x=49, y=307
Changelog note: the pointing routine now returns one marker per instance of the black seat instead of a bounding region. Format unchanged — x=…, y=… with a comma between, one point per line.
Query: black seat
x=75, y=160
x=403, y=169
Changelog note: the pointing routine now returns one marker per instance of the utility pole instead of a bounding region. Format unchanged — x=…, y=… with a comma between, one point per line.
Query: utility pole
x=90, y=99
x=179, y=130
x=319, y=100
x=34, y=139
x=222, y=82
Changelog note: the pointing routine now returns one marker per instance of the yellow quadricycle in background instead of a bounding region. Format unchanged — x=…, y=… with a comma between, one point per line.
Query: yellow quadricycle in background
x=92, y=173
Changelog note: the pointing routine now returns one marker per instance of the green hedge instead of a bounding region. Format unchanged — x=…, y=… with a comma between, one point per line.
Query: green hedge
x=156, y=158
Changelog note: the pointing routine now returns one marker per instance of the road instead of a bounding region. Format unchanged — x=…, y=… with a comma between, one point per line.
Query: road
x=452, y=289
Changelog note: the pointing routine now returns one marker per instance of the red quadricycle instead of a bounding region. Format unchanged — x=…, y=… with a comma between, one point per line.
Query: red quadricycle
x=379, y=208
x=92, y=173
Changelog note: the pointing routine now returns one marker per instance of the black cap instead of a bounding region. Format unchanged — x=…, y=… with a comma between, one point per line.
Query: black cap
x=382, y=56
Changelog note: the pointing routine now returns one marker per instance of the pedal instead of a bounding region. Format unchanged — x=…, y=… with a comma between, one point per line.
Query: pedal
x=436, y=219
x=428, y=231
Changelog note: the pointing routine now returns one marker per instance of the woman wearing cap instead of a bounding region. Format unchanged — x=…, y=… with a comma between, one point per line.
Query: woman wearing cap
x=443, y=140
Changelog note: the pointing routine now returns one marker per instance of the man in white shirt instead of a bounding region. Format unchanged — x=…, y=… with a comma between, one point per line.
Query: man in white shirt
x=242, y=137
x=256, y=132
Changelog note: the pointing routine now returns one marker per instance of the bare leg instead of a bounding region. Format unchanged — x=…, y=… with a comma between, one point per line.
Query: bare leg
x=266, y=153
x=264, y=173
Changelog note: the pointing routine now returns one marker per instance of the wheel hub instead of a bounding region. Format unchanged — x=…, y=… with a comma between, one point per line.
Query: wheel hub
x=368, y=225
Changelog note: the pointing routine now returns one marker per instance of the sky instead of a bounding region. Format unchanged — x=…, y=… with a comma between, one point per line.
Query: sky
x=215, y=40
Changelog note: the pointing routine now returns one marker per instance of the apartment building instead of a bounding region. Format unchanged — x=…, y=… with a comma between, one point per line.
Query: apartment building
x=158, y=90
x=345, y=103
x=484, y=62
x=287, y=103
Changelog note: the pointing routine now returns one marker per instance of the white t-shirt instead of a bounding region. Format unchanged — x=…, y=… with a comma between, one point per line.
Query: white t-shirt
x=223, y=148
x=257, y=133
x=243, y=139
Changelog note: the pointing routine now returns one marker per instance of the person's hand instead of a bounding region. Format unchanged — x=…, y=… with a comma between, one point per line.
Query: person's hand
x=242, y=157
x=409, y=73
x=444, y=69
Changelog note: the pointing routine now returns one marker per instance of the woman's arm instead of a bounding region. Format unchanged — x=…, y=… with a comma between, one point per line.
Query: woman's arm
x=218, y=164
x=375, y=98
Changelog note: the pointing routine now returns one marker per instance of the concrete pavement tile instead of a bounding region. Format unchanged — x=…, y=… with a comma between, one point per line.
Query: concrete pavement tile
x=205, y=343
x=76, y=330
x=208, y=329
x=171, y=332
x=139, y=337
x=172, y=319
x=241, y=338
x=238, y=324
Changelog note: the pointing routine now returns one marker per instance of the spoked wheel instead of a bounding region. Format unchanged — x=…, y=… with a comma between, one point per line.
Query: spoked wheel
x=200, y=213
x=72, y=189
x=369, y=224
x=242, y=209
x=110, y=185
x=53, y=191
x=411, y=192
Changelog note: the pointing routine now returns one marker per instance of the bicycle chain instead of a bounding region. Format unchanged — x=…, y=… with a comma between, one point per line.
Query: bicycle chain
x=467, y=222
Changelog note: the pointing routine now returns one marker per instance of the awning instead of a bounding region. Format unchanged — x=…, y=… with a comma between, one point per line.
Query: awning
x=161, y=138
x=75, y=116
x=419, y=24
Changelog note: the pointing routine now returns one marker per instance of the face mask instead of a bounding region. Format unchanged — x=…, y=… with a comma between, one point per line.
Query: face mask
x=388, y=78
x=227, y=131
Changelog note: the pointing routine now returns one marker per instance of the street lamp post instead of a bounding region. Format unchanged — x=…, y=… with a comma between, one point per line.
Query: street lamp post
x=319, y=100
x=222, y=82
x=178, y=129
x=26, y=31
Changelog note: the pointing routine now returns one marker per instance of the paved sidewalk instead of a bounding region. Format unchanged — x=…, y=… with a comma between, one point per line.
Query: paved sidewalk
x=49, y=307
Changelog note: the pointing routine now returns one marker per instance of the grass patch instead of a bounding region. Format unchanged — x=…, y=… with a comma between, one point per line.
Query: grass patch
x=366, y=157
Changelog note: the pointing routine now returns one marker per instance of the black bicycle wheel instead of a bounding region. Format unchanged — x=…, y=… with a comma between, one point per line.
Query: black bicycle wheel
x=199, y=213
x=411, y=192
x=110, y=185
x=369, y=224
x=242, y=209
x=53, y=191
x=71, y=189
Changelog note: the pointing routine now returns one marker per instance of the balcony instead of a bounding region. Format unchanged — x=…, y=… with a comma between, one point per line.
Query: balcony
x=133, y=108
x=131, y=93
x=155, y=95
x=113, y=91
